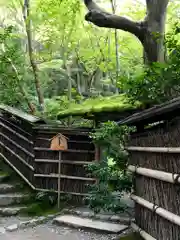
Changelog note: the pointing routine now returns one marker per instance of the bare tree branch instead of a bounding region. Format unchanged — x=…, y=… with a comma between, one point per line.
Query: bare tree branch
x=101, y=18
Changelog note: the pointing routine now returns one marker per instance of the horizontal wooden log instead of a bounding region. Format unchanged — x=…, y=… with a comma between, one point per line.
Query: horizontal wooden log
x=68, y=150
x=17, y=156
x=17, y=171
x=154, y=149
x=173, y=218
x=17, y=145
x=64, y=176
x=160, y=175
x=17, y=134
x=63, y=161
x=141, y=232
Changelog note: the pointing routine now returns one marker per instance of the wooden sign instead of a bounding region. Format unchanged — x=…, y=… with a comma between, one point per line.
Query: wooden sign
x=59, y=142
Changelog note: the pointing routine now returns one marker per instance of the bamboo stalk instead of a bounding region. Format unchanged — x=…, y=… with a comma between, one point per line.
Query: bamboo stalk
x=17, y=134
x=59, y=180
x=54, y=175
x=160, y=175
x=20, y=158
x=10, y=123
x=154, y=149
x=17, y=145
x=17, y=171
x=70, y=193
x=141, y=232
x=68, y=150
x=173, y=218
x=63, y=161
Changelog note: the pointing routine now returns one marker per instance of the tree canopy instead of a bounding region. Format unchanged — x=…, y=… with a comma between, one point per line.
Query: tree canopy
x=51, y=58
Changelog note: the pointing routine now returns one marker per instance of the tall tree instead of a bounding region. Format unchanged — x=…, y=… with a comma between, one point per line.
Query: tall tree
x=27, y=21
x=150, y=31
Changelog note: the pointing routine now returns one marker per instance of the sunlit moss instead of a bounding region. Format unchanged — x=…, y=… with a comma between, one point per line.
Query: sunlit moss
x=90, y=107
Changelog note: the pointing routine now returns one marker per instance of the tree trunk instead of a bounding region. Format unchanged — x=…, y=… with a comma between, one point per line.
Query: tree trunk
x=150, y=31
x=153, y=41
x=26, y=16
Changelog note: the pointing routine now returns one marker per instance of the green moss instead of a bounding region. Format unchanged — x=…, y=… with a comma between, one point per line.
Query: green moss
x=36, y=209
x=90, y=107
x=132, y=236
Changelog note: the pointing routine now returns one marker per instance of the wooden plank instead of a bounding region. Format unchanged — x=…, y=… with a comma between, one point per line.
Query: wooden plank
x=17, y=145
x=54, y=175
x=20, y=158
x=154, y=149
x=17, y=134
x=63, y=161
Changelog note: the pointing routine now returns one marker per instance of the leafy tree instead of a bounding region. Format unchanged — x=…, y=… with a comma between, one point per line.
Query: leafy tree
x=150, y=31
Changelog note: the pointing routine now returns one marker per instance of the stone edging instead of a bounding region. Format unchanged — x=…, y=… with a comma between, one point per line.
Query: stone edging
x=102, y=217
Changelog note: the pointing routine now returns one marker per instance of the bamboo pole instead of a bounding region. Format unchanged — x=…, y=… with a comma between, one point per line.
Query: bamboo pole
x=154, y=149
x=173, y=218
x=59, y=180
x=17, y=156
x=17, y=171
x=17, y=145
x=141, y=232
x=17, y=134
x=54, y=175
x=160, y=175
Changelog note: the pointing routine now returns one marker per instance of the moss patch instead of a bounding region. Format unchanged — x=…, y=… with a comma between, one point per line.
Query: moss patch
x=132, y=236
x=90, y=107
x=36, y=209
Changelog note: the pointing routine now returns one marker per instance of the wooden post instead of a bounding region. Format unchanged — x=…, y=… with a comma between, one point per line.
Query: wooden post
x=59, y=180
x=59, y=143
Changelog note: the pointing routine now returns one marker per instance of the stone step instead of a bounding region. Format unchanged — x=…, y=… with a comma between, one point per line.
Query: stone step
x=94, y=225
x=7, y=188
x=12, y=198
x=11, y=211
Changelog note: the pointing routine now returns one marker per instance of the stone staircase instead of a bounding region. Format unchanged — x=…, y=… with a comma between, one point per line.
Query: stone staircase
x=13, y=195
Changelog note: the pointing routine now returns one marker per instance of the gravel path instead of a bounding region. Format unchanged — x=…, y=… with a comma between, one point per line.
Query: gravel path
x=52, y=232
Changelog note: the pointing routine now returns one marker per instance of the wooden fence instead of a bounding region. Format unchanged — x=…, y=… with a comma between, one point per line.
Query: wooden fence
x=155, y=161
x=25, y=146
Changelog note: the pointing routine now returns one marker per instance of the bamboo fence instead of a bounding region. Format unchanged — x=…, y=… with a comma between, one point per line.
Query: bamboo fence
x=154, y=151
x=25, y=147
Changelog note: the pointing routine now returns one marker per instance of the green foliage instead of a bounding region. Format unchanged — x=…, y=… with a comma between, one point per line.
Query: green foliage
x=113, y=180
x=159, y=82
x=9, y=85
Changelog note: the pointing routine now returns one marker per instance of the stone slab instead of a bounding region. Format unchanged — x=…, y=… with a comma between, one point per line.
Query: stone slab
x=6, y=188
x=11, y=211
x=11, y=198
x=85, y=223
